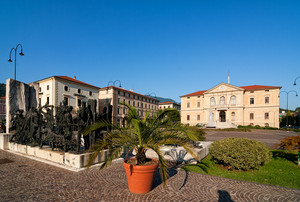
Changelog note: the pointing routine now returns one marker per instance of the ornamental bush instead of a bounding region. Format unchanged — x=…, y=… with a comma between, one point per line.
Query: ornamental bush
x=240, y=153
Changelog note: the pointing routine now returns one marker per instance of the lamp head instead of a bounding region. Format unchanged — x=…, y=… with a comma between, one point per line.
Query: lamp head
x=22, y=54
x=9, y=60
x=120, y=86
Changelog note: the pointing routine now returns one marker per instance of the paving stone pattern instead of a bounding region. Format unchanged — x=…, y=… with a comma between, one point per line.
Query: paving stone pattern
x=23, y=179
x=268, y=137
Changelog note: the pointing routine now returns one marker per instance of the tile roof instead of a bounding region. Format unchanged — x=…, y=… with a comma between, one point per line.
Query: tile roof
x=253, y=87
x=130, y=92
x=70, y=79
x=167, y=102
x=195, y=93
x=259, y=87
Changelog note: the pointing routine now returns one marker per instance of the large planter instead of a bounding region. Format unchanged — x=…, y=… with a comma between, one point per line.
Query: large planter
x=140, y=178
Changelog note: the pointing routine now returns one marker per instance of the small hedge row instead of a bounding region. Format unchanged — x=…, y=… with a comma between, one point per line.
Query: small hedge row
x=240, y=153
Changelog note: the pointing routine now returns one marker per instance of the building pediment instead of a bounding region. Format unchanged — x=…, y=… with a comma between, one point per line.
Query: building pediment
x=223, y=87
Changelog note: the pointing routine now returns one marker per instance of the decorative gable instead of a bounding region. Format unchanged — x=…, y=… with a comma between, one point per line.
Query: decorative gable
x=223, y=87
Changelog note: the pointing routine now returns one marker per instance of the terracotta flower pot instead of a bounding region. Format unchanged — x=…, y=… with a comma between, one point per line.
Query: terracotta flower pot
x=140, y=178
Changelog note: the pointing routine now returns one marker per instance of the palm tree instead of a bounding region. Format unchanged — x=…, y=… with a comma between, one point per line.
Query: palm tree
x=142, y=135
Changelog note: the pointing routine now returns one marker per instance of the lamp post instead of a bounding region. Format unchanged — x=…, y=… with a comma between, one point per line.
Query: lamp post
x=113, y=83
x=296, y=80
x=287, y=104
x=149, y=94
x=22, y=54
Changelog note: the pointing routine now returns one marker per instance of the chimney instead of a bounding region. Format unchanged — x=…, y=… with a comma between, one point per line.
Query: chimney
x=74, y=77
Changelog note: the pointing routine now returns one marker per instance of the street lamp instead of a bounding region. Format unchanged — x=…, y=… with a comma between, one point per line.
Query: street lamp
x=113, y=83
x=296, y=80
x=22, y=54
x=287, y=104
x=149, y=94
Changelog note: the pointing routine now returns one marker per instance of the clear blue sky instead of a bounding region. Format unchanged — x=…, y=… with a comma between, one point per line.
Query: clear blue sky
x=170, y=48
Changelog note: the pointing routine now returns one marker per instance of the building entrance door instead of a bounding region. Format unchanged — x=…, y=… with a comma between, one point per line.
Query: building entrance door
x=222, y=116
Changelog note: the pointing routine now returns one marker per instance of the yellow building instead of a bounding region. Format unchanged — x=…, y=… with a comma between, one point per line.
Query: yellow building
x=226, y=105
x=113, y=96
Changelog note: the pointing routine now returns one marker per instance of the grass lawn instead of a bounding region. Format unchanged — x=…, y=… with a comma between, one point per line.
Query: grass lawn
x=282, y=170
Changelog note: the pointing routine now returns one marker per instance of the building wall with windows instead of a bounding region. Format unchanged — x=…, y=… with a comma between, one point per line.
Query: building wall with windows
x=114, y=96
x=226, y=105
x=168, y=104
x=54, y=90
x=2, y=108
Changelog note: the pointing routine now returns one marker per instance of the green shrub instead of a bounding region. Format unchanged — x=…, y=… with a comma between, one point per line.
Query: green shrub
x=240, y=153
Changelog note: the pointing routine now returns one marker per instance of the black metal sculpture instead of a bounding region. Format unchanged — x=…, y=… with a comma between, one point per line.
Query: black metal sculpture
x=39, y=126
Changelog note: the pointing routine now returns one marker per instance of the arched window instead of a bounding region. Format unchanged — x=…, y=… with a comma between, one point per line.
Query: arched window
x=233, y=100
x=222, y=100
x=212, y=102
x=232, y=116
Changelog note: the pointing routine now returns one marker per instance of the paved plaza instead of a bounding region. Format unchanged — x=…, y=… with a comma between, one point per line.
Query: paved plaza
x=268, y=137
x=24, y=179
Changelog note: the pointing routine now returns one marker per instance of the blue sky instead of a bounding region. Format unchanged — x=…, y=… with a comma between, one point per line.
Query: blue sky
x=170, y=48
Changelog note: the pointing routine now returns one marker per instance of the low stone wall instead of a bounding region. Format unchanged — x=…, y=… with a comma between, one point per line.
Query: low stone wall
x=63, y=158
x=4, y=140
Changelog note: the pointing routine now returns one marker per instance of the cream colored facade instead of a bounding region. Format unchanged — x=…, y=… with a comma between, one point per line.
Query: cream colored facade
x=54, y=90
x=226, y=106
x=168, y=104
x=113, y=96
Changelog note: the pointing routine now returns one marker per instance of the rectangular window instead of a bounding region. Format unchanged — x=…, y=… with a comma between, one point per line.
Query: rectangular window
x=66, y=100
x=267, y=100
x=129, y=102
x=266, y=115
x=142, y=105
x=198, y=104
x=79, y=103
x=252, y=101
x=48, y=100
x=188, y=117
x=47, y=87
x=138, y=104
x=118, y=92
x=40, y=102
x=146, y=106
x=133, y=96
x=198, y=117
x=40, y=89
x=79, y=91
x=124, y=110
x=188, y=105
x=66, y=88
x=119, y=110
x=124, y=94
x=91, y=93
x=251, y=116
x=134, y=103
x=118, y=100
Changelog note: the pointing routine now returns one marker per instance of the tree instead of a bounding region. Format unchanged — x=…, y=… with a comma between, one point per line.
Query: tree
x=291, y=144
x=142, y=135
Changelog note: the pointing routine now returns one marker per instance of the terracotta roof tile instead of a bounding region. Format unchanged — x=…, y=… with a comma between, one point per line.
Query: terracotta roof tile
x=195, y=93
x=259, y=87
x=75, y=80
x=253, y=87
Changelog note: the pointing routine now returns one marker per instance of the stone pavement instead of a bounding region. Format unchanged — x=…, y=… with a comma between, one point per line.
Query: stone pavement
x=23, y=179
x=268, y=137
